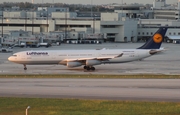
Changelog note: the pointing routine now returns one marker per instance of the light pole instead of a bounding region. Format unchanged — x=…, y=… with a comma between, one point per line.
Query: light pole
x=47, y=20
x=2, y=17
x=25, y=28
x=91, y=7
x=92, y=16
x=66, y=25
x=27, y=110
x=32, y=22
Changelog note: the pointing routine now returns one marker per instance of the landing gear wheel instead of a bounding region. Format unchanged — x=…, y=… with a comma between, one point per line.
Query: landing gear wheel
x=85, y=67
x=93, y=68
x=25, y=68
x=88, y=68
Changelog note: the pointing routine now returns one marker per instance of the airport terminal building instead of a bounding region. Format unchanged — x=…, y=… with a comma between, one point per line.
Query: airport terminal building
x=128, y=23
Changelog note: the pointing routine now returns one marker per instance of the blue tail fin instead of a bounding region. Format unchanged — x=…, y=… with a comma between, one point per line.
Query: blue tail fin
x=156, y=40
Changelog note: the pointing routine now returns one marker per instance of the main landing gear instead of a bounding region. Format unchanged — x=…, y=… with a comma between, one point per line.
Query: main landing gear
x=25, y=68
x=88, y=68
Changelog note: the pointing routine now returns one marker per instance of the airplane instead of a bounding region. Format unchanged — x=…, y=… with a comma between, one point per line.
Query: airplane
x=90, y=58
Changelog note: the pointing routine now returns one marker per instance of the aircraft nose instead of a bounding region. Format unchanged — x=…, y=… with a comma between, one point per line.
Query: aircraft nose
x=10, y=58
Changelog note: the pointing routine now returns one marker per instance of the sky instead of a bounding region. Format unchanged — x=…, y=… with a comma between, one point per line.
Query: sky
x=89, y=1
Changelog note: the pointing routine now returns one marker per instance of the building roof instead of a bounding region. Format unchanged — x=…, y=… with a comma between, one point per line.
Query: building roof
x=174, y=37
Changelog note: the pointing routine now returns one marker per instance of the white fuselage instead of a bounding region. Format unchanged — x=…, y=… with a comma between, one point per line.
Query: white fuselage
x=62, y=56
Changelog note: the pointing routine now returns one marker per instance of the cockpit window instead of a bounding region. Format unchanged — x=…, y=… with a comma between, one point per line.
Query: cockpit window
x=14, y=55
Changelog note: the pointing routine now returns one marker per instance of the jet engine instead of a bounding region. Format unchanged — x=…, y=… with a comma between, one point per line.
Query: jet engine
x=73, y=64
x=92, y=62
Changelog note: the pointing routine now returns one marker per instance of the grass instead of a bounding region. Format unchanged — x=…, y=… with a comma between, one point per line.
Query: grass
x=39, y=106
x=96, y=76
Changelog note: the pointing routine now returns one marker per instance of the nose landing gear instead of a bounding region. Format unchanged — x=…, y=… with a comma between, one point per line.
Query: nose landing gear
x=25, y=68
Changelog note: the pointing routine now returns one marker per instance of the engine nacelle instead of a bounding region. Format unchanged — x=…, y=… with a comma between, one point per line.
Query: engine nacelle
x=73, y=64
x=92, y=62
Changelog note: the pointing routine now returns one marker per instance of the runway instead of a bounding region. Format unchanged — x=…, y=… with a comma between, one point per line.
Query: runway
x=109, y=89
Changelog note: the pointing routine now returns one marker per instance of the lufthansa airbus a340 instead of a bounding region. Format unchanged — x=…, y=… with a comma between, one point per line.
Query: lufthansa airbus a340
x=90, y=58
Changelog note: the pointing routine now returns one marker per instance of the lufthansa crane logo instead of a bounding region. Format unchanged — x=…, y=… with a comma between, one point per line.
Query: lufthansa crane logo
x=157, y=38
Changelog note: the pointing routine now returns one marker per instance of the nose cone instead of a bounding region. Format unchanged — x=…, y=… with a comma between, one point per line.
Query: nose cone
x=10, y=58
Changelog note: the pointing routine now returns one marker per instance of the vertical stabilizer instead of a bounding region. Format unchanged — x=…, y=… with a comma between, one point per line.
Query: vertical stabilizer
x=156, y=40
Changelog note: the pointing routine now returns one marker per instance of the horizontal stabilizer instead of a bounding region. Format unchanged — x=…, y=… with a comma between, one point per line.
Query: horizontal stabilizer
x=152, y=52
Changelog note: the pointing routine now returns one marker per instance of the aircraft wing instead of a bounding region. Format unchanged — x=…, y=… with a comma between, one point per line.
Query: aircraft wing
x=93, y=58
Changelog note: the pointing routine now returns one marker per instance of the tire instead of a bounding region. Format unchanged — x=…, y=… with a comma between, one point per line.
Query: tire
x=85, y=67
x=88, y=68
